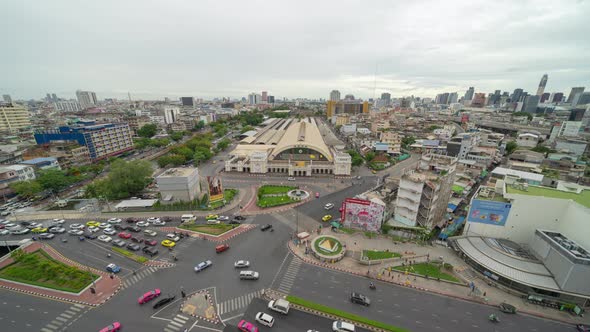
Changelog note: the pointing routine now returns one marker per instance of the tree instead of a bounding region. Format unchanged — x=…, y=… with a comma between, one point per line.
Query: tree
x=125, y=179
x=528, y=115
x=177, y=135
x=543, y=149
x=54, y=179
x=199, y=157
x=246, y=128
x=357, y=159
x=369, y=156
x=26, y=189
x=184, y=151
x=510, y=147
x=147, y=130
x=407, y=141
x=434, y=127
x=200, y=125
x=223, y=144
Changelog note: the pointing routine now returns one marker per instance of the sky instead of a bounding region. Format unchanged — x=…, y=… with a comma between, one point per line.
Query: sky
x=206, y=49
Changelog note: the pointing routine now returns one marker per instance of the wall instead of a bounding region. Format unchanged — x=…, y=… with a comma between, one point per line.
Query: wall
x=577, y=227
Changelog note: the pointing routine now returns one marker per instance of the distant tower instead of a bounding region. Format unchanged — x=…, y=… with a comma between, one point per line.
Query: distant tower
x=542, y=85
x=335, y=95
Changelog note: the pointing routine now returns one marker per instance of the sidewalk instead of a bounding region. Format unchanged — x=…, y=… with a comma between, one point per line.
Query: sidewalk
x=357, y=242
x=105, y=286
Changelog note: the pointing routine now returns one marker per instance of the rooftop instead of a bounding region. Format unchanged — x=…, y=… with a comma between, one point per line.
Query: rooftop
x=179, y=171
x=582, y=198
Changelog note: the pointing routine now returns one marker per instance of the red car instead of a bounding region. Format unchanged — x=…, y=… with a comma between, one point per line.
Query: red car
x=151, y=243
x=247, y=326
x=116, y=326
x=149, y=296
x=317, y=195
x=221, y=248
x=124, y=235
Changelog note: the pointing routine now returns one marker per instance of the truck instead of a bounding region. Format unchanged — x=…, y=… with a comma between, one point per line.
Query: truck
x=279, y=305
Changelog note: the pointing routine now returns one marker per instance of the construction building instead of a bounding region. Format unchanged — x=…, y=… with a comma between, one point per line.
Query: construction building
x=13, y=117
x=352, y=107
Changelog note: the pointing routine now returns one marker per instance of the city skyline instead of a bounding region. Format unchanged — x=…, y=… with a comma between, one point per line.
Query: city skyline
x=300, y=49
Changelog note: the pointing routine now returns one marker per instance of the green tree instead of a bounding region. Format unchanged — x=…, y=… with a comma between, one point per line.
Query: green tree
x=26, y=189
x=199, y=157
x=148, y=130
x=54, y=179
x=356, y=157
x=246, y=128
x=142, y=143
x=434, y=127
x=200, y=125
x=510, y=147
x=223, y=144
x=183, y=151
x=177, y=135
x=543, y=149
x=159, y=142
x=369, y=156
x=528, y=115
x=125, y=179
x=407, y=141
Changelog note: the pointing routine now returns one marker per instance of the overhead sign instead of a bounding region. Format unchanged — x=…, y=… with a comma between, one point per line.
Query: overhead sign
x=489, y=212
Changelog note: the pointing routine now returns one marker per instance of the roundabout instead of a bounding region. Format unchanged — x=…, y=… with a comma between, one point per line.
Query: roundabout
x=328, y=248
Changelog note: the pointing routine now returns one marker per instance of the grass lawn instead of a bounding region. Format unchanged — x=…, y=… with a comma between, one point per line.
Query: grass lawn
x=325, y=252
x=39, y=269
x=209, y=229
x=129, y=254
x=228, y=195
x=343, y=314
x=347, y=230
x=374, y=254
x=272, y=189
x=427, y=269
x=271, y=201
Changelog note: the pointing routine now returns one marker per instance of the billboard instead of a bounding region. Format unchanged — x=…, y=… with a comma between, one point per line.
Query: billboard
x=489, y=212
x=215, y=188
x=362, y=214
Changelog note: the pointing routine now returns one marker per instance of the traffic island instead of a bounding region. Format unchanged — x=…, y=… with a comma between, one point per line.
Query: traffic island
x=201, y=306
x=327, y=248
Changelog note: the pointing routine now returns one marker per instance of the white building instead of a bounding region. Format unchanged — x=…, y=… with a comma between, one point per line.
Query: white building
x=566, y=128
x=171, y=114
x=87, y=99
x=68, y=106
x=24, y=172
x=527, y=140
x=179, y=184
x=158, y=119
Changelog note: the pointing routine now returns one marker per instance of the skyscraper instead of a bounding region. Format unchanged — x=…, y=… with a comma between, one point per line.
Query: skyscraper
x=573, y=93
x=545, y=97
x=516, y=95
x=581, y=98
x=386, y=97
x=252, y=98
x=530, y=104
x=453, y=97
x=7, y=98
x=335, y=95
x=264, y=96
x=557, y=97
x=86, y=99
x=542, y=85
x=54, y=97
x=187, y=101
x=469, y=93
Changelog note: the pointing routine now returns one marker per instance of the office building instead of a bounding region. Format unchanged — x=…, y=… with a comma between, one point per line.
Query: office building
x=7, y=99
x=557, y=97
x=576, y=114
x=479, y=100
x=171, y=114
x=102, y=140
x=581, y=98
x=187, y=101
x=271, y=99
x=87, y=99
x=386, y=97
x=13, y=117
x=347, y=106
x=424, y=193
x=545, y=97
x=54, y=97
x=565, y=128
x=453, y=98
x=264, y=96
x=469, y=93
x=573, y=93
x=442, y=98
x=335, y=95
x=68, y=106
x=516, y=95
x=179, y=185
x=530, y=104
x=542, y=85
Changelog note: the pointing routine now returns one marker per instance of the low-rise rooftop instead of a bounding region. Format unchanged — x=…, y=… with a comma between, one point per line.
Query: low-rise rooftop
x=583, y=198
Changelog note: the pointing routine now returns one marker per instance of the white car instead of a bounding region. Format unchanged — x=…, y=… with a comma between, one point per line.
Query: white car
x=290, y=178
x=241, y=263
x=19, y=231
x=142, y=223
x=223, y=218
x=93, y=229
x=153, y=219
x=105, y=238
x=340, y=326
x=76, y=226
x=57, y=230
x=59, y=221
x=149, y=232
x=173, y=237
x=265, y=319
x=328, y=206
x=3, y=231
x=104, y=225
x=109, y=231
x=159, y=223
x=75, y=232
x=113, y=221
x=10, y=225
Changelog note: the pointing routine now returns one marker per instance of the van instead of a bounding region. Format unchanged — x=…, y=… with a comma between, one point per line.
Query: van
x=249, y=275
x=187, y=218
x=279, y=305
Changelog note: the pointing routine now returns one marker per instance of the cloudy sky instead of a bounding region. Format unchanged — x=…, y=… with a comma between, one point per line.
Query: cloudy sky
x=300, y=48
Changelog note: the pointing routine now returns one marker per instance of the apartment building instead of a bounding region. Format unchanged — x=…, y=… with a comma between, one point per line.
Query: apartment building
x=13, y=117
x=393, y=141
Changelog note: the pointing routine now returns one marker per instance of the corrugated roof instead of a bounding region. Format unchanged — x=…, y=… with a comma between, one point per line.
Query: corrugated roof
x=523, y=175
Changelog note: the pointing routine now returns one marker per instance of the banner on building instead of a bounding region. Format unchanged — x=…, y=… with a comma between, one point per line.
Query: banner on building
x=215, y=189
x=489, y=212
x=362, y=214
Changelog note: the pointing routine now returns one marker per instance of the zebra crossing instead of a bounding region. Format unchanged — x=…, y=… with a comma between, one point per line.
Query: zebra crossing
x=237, y=303
x=176, y=323
x=289, y=276
x=60, y=322
x=138, y=276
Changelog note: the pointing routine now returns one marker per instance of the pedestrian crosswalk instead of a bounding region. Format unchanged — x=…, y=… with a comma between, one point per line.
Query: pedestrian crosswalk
x=138, y=276
x=290, y=275
x=176, y=323
x=61, y=322
x=237, y=303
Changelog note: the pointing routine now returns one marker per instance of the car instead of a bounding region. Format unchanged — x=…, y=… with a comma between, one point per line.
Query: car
x=582, y=328
x=359, y=299
x=238, y=217
x=137, y=239
x=93, y=229
x=374, y=171
x=114, y=221
x=234, y=222
x=149, y=232
x=39, y=230
x=249, y=275
x=159, y=223
x=119, y=243
x=25, y=223
x=19, y=231
x=124, y=235
x=246, y=326
x=89, y=236
x=266, y=227
x=76, y=232
x=149, y=296
x=223, y=218
x=10, y=225
x=120, y=227
x=150, y=242
x=241, y=263
x=4, y=231
x=134, y=229
x=221, y=248
x=213, y=222
x=109, y=231
x=167, y=219
x=328, y=206
x=168, y=243
x=133, y=246
x=341, y=326
x=132, y=220
x=153, y=219
x=57, y=230
x=163, y=302
x=105, y=238
x=327, y=217
x=46, y=236
x=317, y=195
x=76, y=226
x=173, y=237
x=290, y=178
x=33, y=225
x=92, y=223
x=203, y=265
x=113, y=268
x=142, y=224
x=104, y=225
x=211, y=216
x=150, y=251
x=116, y=326
x=59, y=221
x=265, y=319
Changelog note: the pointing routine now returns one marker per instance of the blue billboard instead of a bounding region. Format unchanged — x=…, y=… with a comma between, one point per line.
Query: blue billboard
x=489, y=212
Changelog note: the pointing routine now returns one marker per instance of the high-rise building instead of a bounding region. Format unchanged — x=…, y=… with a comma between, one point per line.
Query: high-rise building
x=252, y=98
x=576, y=114
x=271, y=99
x=545, y=97
x=351, y=107
x=386, y=97
x=530, y=104
x=68, y=106
x=335, y=95
x=7, y=98
x=264, y=96
x=581, y=98
x=54, y=97
x=442, y=98
x=87, y=99
x=453, y=97
x=171, y=114
x=349, y=97
x=13, y=117
x=557, y=97
x=479, y=100
x=187, y=101
x=573, y=93
x=516, y=95
x=469, y=93
x=542, y=85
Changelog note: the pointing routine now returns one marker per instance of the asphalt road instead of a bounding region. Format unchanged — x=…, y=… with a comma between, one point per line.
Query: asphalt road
x=20, y=312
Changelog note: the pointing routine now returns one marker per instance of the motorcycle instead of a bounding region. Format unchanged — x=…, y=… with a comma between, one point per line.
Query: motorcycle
x=494, y=318
x=372, y=286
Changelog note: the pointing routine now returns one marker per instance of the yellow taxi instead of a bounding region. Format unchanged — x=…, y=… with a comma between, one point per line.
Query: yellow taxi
x=93, y=223
x=39, y=230
x=374, y=171
x=168, y=243
x=211, y=216
x=327, y=217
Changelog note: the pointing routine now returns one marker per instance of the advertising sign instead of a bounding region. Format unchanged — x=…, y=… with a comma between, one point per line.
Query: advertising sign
x=362, y=214
x=215, y=189
x=489, y=212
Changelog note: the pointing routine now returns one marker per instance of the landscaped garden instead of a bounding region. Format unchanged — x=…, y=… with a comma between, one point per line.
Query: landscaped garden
x=129, y=254
x=272, y=190
x=40, y=269
x=327, y=246
x=430, y=270
x=271, y=195
x=216, y=229
x=375, y=254
x=199, y=205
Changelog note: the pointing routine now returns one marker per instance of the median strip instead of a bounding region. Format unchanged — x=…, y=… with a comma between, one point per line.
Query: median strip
x=129, y=254
x=343, y=314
